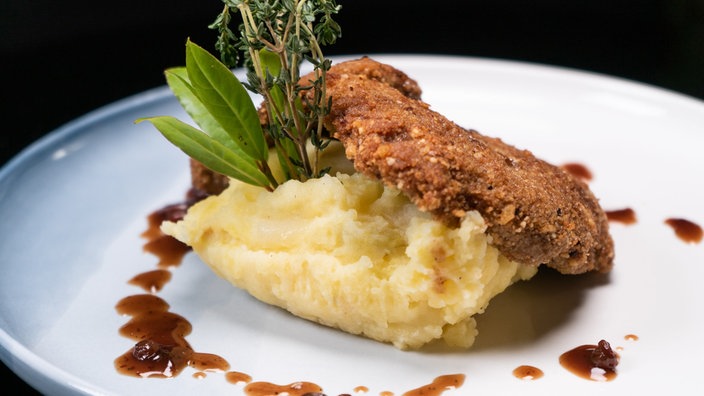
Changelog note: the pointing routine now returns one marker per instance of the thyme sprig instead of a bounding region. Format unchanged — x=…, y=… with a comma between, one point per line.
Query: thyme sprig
x=273, y=39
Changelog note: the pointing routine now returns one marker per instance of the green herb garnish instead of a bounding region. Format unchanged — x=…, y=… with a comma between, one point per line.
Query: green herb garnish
x=275, y=38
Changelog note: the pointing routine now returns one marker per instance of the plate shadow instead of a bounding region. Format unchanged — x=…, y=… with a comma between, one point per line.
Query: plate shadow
x=528, y=311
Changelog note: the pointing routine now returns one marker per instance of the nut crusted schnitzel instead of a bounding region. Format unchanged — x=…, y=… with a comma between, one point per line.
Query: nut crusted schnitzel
x=536, y=213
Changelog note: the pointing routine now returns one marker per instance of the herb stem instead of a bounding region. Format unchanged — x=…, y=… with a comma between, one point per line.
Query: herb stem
x=292, y=31
x=266, y=170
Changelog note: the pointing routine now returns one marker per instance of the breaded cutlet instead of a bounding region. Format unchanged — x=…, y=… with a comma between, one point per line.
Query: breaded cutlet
x=536, y=213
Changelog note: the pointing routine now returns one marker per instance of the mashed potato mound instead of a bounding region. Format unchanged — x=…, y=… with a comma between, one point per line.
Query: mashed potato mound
x=349, y=253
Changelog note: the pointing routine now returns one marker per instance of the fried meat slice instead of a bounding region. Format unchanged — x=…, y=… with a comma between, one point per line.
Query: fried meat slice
x=206, y=180
x=370, y=69
x=536, y=213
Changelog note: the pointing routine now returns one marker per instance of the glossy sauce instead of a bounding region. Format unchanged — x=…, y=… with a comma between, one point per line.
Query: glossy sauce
x=161, y=349
x=169, y=250
x=686, y=230
x=438, y=386
x=151, y=281
x=591, y=362
x=527, y=372
x=625, y=216
x=578, y=170
x=269, y=389
x=235, y=377
x=361, y=389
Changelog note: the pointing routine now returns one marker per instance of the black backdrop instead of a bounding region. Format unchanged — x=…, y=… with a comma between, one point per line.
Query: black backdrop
x=62, y=59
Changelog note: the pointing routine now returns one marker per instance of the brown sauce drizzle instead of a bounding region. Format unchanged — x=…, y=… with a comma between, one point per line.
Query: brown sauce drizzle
x=686, y=230
x=235, y=377
x=269, y=389
x=625, y=216
x=169, y=250
x=151, y=281
x=578, y=170
x=161, y=349
x=525, y=372
x=438, y=386
x=592, y=362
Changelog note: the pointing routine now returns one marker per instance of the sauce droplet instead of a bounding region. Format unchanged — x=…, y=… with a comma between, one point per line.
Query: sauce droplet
x=631, y=337
x=361, y=389
x=166, y=248
x=208, y=362
x=527, y=372
x=578, y=170
x=235, y=377
x=439, y=385
x=625, y=216
x=268, y=389
x=151, y=281
x=161, y=350
x=592, y=362
x=169, y=250
x=686, y=230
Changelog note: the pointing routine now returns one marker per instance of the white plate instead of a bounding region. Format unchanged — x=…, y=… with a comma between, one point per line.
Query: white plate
x=72, y=207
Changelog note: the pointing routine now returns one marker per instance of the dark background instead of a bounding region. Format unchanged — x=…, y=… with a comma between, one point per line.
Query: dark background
x=62, y=59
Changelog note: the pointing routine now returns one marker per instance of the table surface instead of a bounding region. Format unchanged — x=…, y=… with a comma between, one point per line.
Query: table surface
x=75, y=57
